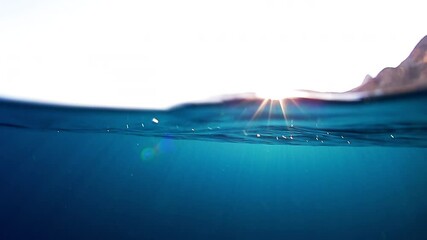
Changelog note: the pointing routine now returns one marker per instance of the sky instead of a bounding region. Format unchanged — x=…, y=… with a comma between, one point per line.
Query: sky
x=155, y=54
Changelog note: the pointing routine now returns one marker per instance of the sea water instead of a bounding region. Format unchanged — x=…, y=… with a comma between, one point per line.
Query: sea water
x=238, y=169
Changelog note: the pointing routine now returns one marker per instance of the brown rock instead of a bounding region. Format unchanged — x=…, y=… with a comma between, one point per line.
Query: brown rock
x=410, y=75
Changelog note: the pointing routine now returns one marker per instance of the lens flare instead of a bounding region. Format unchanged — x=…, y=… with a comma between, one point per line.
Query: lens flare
x=148, y=153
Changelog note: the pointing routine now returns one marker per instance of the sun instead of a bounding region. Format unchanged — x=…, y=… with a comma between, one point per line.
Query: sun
x=270, y=102
x=277, y=96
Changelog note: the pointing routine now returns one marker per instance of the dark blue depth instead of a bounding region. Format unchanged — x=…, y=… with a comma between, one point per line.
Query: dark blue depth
x=71, y=173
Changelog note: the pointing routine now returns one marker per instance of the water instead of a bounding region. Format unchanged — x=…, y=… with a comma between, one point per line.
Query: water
x=231, y=170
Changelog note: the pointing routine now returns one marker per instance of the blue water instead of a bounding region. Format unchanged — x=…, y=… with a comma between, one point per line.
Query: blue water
x=230, y=170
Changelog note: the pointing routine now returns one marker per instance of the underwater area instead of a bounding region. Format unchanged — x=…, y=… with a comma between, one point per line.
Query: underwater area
x=238, y=169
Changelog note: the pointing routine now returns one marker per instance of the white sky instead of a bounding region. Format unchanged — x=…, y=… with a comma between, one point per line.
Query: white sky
x=160, y=52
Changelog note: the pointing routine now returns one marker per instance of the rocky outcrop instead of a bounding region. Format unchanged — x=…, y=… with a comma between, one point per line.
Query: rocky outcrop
x=410, y=75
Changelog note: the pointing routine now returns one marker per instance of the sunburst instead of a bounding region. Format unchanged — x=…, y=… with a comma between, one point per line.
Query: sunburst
x=272, y=103
x=275, y=99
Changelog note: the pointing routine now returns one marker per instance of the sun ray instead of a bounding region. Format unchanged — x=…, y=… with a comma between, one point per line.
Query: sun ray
x=260, y=109
x=282, y=103
x=296, y=104
x=269, y=111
